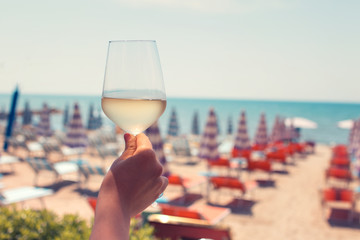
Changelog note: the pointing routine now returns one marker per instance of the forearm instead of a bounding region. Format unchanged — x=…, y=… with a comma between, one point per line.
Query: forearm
x=112, y=221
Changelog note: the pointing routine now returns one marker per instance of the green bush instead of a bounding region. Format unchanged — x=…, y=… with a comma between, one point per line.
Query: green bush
x=28, y=224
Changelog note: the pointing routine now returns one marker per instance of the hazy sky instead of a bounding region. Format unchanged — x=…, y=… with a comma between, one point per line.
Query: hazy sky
x=259, y=49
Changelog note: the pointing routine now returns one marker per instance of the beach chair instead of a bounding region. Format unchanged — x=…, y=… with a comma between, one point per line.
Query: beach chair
x=57, y=152
x=338, y=197
x=22, y=194
x=340, y=175
x=233, y=184
x=259, y=165
x=92, y=202
x=88, y=170
x=181, y=147
x=195, y=222
x=340, y=162
x=186, y=183
x=8, y=160
x=241, y=153
x=58, y=169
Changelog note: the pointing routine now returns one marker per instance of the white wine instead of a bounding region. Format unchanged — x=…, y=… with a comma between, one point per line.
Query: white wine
x=133, y=115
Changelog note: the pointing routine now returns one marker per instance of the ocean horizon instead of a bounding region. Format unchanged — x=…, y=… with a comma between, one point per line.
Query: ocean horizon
x=325, y=114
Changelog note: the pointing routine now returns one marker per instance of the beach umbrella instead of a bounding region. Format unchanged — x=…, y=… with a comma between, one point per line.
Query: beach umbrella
x=230, y=126
x=153, y=133
x=261, y=137
x=3, y=114
x=354, y=137
x=92, y=120
x=99, y=121
x=345, y=124
x=43, y=128
x=291, y=133
x=208, y=144
x=76, y=136
x=173, y=125
x=242, y=141
x=66, y=116
x=195, y=130
x=279, y=130
x=299, y=122
x=27, y=115
x=11, y=118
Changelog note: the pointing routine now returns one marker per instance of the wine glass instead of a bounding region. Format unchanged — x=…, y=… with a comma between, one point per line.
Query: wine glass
x=133, y=93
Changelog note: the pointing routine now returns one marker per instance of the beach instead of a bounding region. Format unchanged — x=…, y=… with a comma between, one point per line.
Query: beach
x=288, y=209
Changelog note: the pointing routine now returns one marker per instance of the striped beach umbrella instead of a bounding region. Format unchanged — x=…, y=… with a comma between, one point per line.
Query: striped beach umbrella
x=44, y=128
x=153, y=133
x=27, y=115
x=276, y=131
x=354, y=138
x=76, y=136
x=195, y=130
x=208, y=144
x=261, y=137
x=242, y=141
x=291, y=133
x=173, y=125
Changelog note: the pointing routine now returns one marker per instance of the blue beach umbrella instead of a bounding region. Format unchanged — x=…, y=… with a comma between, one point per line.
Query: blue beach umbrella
x=92, y=120
x=153, y=133
x=208, y=144
x=173, y=125
x=242, y=141
x=66, y=116
x=195, y=130
x=27, y=115
x=76, y=136
x=2, y=114
x=11, y=118
x=99, y=121
x=230, y=126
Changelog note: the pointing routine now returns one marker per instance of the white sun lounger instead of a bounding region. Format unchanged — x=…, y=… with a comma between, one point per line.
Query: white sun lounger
x=23, y=194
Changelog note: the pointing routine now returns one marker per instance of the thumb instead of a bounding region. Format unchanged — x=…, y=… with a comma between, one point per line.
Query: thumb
x=130, y=146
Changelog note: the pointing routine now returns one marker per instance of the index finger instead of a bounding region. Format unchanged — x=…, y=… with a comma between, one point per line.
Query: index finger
x=142, y=142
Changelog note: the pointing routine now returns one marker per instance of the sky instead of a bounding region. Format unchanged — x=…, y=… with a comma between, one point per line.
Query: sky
x=239, y=49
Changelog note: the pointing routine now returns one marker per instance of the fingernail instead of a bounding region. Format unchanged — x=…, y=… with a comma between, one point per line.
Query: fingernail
x=127, y=137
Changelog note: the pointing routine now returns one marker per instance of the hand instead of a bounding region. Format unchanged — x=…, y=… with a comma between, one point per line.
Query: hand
x=137, y=174
x=133, y=182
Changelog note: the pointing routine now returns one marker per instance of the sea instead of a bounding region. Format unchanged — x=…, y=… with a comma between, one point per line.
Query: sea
x=325, y=114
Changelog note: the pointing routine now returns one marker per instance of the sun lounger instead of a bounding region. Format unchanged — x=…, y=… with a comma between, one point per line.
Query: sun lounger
x=22, y=194
x=186, y=183
x=58, y=169
x=88, y=170
x=234, y=184
x=334, y=196
x=338, y=174
x=8, y=160
x=188, y=223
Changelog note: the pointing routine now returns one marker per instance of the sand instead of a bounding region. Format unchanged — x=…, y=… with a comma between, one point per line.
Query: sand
x=288, y=209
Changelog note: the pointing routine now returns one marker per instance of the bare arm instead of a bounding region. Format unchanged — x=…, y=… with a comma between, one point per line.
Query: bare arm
x=132, y=184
